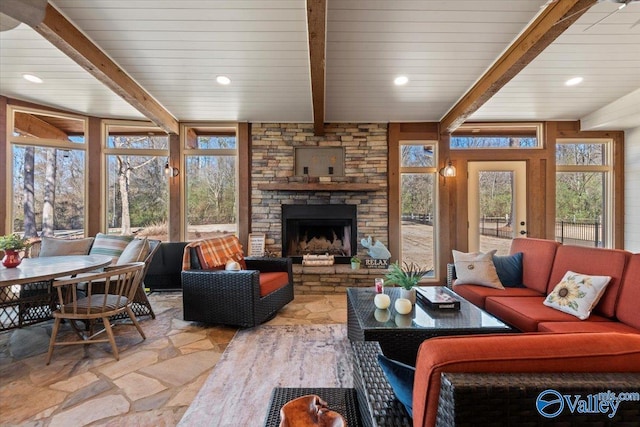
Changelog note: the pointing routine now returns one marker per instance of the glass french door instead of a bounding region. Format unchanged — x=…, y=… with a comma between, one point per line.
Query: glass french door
x=497, y=204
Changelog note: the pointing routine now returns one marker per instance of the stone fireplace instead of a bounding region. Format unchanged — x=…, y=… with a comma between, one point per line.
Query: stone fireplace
x=362, y=188
x=319, y=229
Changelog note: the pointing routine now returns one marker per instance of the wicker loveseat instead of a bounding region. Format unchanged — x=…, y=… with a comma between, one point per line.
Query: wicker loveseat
x=245, y=298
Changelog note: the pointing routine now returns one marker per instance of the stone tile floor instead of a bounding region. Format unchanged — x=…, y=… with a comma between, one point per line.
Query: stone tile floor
x=153, y=383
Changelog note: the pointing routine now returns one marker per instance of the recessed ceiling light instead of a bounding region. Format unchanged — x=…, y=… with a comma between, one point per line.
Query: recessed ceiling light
x=574, y=81
x=223, y=80
x=401, y=80
x=32, y=78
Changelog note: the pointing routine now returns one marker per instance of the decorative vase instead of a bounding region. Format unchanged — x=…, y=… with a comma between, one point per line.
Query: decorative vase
x=409, y=294
x=355, y=265
x=11, y=258
x=382, y=301
x=403, y=306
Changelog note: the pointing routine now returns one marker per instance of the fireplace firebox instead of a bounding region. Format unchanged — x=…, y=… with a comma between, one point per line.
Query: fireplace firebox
x=319, y=229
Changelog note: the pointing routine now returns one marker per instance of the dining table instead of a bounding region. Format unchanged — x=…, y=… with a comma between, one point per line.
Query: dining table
x=26, y=294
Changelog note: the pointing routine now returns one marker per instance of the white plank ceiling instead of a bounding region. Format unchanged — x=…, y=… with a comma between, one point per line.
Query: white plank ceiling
x=175, y=49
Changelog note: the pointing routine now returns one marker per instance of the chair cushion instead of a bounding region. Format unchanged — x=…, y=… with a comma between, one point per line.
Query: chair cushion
x=99, y=304
x=137, y=250
x=51, y=246
x=537, y=261
x=477, y=295
x=272, y=281
x=110, y=244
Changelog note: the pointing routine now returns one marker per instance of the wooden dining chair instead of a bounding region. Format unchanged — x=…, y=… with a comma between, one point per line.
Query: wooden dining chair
x=101, y=296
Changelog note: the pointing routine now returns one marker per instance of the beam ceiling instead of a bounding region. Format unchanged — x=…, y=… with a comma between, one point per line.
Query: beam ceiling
x=317, y=28
x=550, y=23
x=68, y=39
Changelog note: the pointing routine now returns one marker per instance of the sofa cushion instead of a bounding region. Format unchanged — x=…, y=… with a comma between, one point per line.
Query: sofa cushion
x=511, y=353
x=478, y=294
x=579, y=326
x=595, y=262
x=509, y=269
x=51, y=246
x=476, y=268
x=526, y=312
x=537, y=261
x=627, y=310
x=400, y=377
x=136, y=251
x=577, y=294
x=110, y=244
x=271, y=281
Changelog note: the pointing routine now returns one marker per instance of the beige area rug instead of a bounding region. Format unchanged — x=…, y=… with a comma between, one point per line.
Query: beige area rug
x=238, y=390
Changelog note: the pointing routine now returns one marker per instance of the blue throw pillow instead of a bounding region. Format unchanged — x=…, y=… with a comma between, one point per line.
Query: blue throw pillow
x=509, y=269
x=400, y=377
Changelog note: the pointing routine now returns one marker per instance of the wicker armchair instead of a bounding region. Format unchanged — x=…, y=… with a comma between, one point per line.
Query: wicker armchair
x=233, y=297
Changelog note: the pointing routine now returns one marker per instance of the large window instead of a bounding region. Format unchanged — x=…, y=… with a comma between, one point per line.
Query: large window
x=210, y=181
x=137, y=190
x=583, y=192
x=47, y=174
x=418, y=203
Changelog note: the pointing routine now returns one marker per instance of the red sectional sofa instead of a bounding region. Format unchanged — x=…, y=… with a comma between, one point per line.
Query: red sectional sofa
x=544, y=263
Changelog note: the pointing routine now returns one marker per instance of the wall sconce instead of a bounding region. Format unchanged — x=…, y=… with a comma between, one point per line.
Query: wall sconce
x=448, y=171
x=170, y=172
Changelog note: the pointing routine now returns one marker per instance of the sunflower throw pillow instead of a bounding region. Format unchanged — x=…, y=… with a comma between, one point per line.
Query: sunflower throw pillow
x=577, y=294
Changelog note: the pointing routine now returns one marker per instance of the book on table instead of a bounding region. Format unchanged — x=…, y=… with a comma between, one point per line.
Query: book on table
x=437, y=298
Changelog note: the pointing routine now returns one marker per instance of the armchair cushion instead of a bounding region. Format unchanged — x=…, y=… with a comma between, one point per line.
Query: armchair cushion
x=110, y=244
x=136, y=251
x=271, y=281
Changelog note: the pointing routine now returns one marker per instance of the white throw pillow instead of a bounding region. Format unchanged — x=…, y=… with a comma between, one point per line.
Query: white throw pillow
x=476, y=268
x=52, y=246
x=577, y=294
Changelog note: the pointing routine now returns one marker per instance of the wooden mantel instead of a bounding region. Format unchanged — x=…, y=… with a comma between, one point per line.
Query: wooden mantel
x=320, y=186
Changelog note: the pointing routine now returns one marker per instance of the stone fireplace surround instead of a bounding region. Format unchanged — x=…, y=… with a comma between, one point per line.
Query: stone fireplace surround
x=364, y=185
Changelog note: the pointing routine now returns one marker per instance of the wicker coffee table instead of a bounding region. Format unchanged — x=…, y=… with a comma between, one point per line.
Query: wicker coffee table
x=401, y=335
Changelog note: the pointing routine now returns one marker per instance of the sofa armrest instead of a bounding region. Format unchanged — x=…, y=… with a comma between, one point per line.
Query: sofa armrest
x=484, y=398
x=451, y=274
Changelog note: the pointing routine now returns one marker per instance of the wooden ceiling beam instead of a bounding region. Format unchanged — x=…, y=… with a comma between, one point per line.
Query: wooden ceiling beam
x=551, y=22
x=68, y=39
x=32, y=125
x=317, y=29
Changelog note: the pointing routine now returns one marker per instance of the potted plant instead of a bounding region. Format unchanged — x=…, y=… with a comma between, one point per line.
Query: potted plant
x=12, y=244
x=407, y=276
x=355, y=262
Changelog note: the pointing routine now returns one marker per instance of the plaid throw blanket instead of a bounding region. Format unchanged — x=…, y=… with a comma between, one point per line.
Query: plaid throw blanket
x=214, y=253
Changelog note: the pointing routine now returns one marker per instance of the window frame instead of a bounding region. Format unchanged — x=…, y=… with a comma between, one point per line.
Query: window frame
x=608, y=221
x=419, y=170
x=185, y=152
x=42, y=143
x=108, y=151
